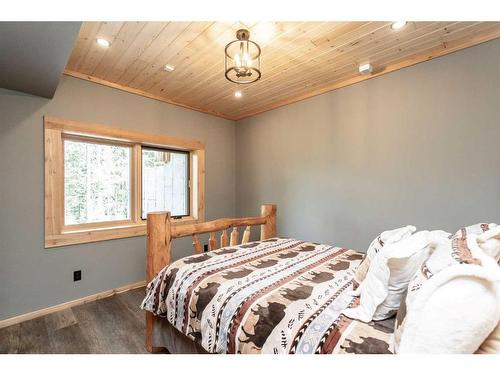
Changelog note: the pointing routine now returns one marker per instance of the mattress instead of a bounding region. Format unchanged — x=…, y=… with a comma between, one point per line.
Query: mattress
x=275, y=296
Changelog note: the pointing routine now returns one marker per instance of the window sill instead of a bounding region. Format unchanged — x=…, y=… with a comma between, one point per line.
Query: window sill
x=79, y=236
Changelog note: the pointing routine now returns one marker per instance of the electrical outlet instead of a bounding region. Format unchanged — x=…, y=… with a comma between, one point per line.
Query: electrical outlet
x=77, y=275
x=205, y=248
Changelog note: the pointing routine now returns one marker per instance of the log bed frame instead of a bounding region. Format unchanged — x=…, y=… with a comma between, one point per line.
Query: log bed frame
x=161, y=231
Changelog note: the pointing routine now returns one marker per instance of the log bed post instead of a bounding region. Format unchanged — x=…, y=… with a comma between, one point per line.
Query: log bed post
x=268, y=230
x=159, y=248
x=160, y=233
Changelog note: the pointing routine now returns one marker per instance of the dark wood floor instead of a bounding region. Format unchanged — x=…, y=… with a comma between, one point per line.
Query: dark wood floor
x=110, y=325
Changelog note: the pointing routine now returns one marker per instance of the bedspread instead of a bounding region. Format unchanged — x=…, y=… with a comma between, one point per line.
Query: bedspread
x=275, y=296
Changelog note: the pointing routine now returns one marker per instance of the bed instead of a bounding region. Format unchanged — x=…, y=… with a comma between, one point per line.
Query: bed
x=276, y=295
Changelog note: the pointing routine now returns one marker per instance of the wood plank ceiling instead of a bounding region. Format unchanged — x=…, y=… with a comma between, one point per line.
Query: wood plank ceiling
x=299, y=59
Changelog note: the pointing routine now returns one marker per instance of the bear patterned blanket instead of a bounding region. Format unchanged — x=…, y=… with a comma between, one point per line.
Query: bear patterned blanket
x=274, y=296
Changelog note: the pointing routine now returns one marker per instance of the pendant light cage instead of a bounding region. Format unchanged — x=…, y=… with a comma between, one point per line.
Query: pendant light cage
x=242, y=59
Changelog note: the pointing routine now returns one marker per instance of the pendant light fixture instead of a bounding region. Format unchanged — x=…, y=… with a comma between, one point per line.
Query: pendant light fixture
x=242, y=59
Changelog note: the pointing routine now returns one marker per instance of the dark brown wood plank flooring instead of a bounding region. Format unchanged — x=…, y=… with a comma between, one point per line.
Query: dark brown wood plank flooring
x=110, y=325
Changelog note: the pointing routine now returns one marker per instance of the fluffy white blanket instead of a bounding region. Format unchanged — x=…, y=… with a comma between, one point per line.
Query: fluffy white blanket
x=456, y=309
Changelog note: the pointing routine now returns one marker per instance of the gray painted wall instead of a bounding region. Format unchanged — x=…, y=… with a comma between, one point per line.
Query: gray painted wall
x=32, y=277
x=34, y=55
x=418, y=146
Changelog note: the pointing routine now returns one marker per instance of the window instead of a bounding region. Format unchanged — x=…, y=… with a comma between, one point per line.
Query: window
x=101, y=182
x=96, y=182
x=165, y=181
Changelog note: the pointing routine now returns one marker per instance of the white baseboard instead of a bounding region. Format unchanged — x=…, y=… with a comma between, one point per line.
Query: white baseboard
x=66, y=305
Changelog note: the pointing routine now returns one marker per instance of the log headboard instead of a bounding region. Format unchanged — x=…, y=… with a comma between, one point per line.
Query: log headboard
x=161, y=231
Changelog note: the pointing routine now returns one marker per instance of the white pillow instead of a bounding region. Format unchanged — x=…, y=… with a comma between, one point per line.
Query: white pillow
x=456, y=251
x=385, y=238
x=389, y=274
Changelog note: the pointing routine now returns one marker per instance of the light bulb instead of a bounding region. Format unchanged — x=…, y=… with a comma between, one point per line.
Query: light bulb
x=103, y=42
x=169, y=68
x=398, y=25
x=237, y=60
x=247, y=61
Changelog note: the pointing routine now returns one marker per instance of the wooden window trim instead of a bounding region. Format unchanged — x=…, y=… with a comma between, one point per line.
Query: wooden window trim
x=56, y=130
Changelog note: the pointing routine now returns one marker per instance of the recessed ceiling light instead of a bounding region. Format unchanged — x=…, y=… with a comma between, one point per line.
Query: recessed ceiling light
x=365, y=68
x=169, y=68
x=103, y=42
x=398, y=25
x=238, y=94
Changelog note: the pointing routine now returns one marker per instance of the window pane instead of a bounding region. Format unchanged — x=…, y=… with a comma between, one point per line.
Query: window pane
x=96, y=182
x=165, y=182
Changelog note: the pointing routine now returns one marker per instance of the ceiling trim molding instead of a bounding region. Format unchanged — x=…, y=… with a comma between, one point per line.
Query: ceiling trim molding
x=442, y=50
x=100, y=81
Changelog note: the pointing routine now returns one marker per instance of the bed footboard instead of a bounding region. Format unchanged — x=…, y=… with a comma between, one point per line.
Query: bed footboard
x=161, y=232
